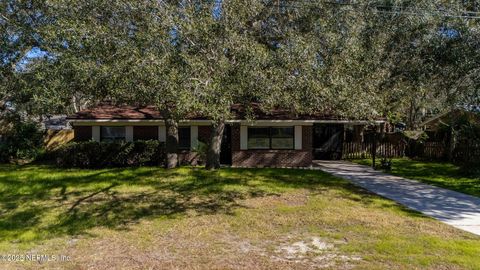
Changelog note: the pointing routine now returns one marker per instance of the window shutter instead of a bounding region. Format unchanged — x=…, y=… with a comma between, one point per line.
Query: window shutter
x=298, y=137
x=243, y=138
x=96, y=133
x=162, y=133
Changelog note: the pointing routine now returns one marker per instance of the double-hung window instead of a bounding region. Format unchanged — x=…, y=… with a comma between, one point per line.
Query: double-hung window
x=112, y=134
x=271, y=138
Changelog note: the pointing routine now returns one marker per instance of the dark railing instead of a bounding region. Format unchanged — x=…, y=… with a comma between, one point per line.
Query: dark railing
x=357, y=150
x=463, y=152
x=433, y=150
x=467, y=152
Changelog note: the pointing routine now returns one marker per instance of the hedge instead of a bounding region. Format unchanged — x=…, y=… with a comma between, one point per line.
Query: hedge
x=110, y=154
x=22, y=142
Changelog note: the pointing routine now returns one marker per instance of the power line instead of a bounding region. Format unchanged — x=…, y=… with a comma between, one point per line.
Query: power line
x=381, y=9
x=395, y=10
x=377, y=6
x=380, y=6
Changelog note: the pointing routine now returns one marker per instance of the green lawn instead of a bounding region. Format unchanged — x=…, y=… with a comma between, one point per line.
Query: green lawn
x=151, y=218
x=440, y=174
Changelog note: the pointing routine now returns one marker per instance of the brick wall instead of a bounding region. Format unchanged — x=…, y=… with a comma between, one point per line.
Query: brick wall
x=248, y=158
x=272, y=158
x=186, y=157
x=145, y=132
x=204, y=133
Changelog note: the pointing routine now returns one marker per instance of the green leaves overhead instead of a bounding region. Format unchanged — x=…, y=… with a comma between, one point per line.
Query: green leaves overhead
x=356, y=59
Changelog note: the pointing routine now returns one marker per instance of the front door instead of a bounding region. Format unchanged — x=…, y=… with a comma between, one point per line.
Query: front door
x=327, y=141
x=226, y=147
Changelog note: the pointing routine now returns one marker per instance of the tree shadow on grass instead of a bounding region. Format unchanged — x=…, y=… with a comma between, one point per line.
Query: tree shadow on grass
x=41, y=202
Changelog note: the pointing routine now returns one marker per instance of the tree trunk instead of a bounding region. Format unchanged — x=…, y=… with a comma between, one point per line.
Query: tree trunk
x=171, y=146
x=213, y=153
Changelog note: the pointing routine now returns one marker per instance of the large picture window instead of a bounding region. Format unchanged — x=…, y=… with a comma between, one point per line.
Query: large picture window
x=271, y=138
x=259, y=138
x=184, y=138
x=111, y=134
x=282, y=137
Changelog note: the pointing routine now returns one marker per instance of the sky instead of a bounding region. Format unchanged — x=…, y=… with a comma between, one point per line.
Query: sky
x=35, y=52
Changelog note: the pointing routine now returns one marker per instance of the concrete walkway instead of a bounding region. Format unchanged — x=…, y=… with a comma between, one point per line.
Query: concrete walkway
x=456, y=209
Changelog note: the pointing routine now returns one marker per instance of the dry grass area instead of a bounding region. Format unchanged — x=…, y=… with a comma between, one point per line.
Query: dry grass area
x=188, y=218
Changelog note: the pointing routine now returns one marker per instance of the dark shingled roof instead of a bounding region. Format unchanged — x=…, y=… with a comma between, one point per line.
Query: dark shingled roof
x=239, y=112
x=118, y=112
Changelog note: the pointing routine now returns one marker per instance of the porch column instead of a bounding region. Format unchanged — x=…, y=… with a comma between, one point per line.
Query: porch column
x=298, y=137
x=162, y=134
x=193, y=137
x=243, y=137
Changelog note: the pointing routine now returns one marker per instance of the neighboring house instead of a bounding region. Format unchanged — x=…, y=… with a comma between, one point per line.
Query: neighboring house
x=438, y=127
x=443, y=143
x=55, y=122
x=273, y=139
x=57, y=131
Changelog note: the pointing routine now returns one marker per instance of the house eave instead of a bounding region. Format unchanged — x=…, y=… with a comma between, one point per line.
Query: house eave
x=307, y=122
x=241, y=122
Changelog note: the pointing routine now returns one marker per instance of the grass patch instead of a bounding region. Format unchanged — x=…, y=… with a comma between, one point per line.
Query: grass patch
x=441, y=174
x=149, y=217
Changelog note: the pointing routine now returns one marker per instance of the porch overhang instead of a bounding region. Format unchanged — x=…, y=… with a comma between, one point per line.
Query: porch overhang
x=85, y=122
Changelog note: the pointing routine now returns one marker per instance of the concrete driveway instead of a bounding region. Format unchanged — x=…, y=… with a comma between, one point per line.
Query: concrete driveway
x=456, y=209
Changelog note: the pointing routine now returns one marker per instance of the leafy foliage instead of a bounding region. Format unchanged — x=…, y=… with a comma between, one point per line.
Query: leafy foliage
x=468, y=126
x=106, y=154
x=353, y=60
x=201, y=150
x=22, y=141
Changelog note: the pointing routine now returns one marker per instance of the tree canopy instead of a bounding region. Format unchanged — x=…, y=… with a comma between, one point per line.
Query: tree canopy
x=356, y=59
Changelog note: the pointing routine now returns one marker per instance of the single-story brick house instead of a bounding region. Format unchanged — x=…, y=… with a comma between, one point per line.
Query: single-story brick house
x=273, y=139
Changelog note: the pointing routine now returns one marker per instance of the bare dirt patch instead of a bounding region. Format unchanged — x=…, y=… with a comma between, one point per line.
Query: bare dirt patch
x=316, y=252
